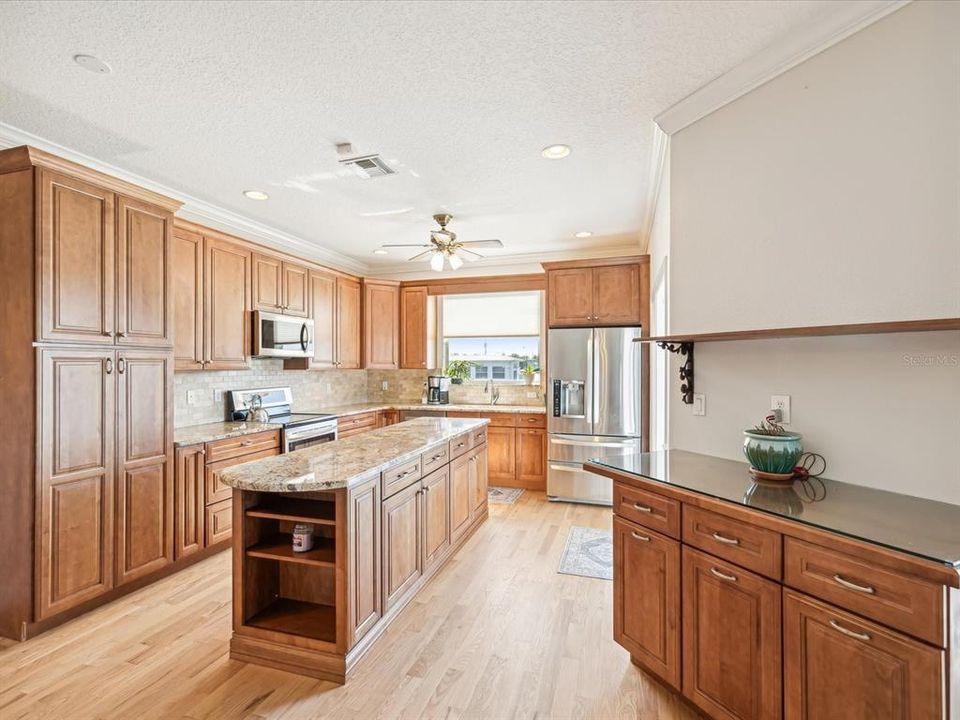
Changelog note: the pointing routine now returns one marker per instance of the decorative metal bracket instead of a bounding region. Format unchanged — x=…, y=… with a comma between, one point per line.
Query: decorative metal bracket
x=685, y=349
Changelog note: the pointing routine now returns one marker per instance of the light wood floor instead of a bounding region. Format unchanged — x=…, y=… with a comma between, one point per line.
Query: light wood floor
x=496, y=634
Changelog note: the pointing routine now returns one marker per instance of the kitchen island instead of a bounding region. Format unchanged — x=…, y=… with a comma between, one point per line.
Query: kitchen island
x=388, y=509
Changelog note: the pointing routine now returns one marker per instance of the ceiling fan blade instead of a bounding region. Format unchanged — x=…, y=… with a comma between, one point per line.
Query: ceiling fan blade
x=483, y=243
x=406, y=245
x=421, y=256
x=470, y=255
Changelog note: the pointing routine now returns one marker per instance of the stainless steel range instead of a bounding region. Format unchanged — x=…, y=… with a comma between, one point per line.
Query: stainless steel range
x=300, y=429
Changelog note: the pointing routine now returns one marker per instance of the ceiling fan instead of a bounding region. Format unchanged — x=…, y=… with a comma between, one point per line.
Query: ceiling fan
x=445, y=249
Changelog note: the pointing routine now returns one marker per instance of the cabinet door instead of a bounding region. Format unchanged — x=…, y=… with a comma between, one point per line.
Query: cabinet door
x=402, y=561
x=296, y=290
x=188, y=501
x=226, y=305
x=616, y=295
x=144, y=517
x=436, y=518
x=363, y=538
x=267, y=283
x=414, y=340
x=501, y=443
x=323, y=310
x=144, y=258
x=570, y=297
x=218, y=522
x=187, y=299
x=731, y=639
x=348, y=324
x=381, y=315
x=837, y=664
x=77, y=253
x=75, y=525
x=646, y=598
x=479, y=481
x=461, y=505
x=532, y=457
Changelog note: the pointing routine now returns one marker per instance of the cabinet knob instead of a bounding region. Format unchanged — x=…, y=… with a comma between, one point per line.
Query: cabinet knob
x=121, y=334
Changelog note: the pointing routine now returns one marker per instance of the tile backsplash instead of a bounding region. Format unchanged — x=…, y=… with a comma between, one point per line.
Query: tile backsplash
x=316, y=389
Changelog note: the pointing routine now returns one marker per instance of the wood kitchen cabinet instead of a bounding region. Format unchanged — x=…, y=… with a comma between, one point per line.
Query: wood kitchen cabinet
x=226, y=304
x=478, y=479
x=348, y=323
x=381, y=329
x=279, y=286
x=531, y=456
x=646, y=598
x=417, y=328
x=187, y=285
x=335, y=310
x=363, y=537
x=516, y=448
x=611, y=291
x=401, y=525
x=502, y=442
x=838, y=663
x=461, y=499
x=188, y=501
x=731, y=639
x=436, y=518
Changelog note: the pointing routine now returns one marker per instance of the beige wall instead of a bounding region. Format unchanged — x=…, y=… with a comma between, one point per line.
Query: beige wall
x=830, y=195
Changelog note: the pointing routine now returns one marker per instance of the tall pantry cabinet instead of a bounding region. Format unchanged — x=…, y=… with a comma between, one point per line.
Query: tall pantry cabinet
x=87, y=368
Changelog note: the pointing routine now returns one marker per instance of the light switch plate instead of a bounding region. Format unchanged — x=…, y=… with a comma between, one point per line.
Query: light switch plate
x=218, y=395
x=194, y=397
x=384, y=385
x=699, y=404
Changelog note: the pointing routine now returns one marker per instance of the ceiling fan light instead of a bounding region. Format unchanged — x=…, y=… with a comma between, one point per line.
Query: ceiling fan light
x=436, y=262
x=455, y=262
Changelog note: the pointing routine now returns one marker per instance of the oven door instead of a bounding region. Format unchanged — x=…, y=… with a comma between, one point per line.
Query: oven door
x=307, y=436
x=281, y=336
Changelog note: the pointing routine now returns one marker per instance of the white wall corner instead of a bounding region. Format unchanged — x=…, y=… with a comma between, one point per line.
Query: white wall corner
x=658, y=157
x=844, y=19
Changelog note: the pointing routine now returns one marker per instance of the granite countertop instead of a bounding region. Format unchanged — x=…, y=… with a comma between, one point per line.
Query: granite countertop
x=198, y=434
x=925, y=528
x=356, y=408
x=340, y=464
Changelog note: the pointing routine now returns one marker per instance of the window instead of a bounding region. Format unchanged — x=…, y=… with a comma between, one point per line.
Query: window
x=497, y=333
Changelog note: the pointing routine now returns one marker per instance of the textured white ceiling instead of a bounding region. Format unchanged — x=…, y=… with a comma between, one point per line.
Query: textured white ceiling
x=212, y=98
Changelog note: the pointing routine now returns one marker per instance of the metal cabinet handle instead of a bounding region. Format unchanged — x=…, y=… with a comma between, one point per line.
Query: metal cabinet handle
x=426, y=488
x=109, y=366
x=638, y=536
x=106, y=333
x=725, y=540
x=121, y=365
x=723, y=576
x=839, y=628
x=247, y=442
x=853, y=586
x=642, y=508
x=121, y=334
x=435, y=457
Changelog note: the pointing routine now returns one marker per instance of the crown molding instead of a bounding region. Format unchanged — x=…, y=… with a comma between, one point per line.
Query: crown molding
x=659, y=152
x=194, y=209
x=846, y=19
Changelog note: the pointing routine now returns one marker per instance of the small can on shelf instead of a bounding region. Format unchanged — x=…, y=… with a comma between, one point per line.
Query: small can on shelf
x=302, y=537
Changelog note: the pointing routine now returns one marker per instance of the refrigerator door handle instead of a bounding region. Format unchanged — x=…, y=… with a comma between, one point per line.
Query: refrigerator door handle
x=566, y=468
x=580, y=443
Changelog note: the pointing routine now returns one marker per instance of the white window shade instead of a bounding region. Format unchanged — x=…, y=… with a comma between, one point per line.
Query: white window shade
x=492, y=314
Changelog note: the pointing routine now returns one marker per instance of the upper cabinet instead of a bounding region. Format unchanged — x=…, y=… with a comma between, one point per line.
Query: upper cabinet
x=417, y=328
x=279, y=286
x=610, y=291
x=348, y=323
x=187, y=299
x=105, y=265
x=335, y=309
x=381, y=324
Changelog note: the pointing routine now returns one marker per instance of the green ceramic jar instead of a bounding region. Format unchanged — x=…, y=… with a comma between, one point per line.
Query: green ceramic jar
x=777, y=454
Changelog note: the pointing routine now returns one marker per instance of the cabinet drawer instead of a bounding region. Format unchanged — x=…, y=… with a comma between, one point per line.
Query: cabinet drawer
x=496, y=419
x=243, y=445
x=895, y=599
x=219, y=522
x=362, y=421
x=748, y=546
x=213, y=490
x=478, y=437
x=533, y=420
x=436, y=458
x=396, y=479
x=459, y=445
x=649, y=509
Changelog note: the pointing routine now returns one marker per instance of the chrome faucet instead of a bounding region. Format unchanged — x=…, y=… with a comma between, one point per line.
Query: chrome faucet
x=491, y=389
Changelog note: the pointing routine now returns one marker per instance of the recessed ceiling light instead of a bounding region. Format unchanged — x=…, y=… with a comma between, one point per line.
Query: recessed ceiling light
x=256, y=195
x=91, y=63
x=380, y=251
x=555, y=152
x=583, y=234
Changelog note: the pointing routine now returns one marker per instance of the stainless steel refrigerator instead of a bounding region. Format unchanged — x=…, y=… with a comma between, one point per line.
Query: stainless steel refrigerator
x=594, y=407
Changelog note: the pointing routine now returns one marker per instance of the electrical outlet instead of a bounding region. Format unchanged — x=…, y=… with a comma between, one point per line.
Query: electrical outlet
x=532, y=395
x=329, y=387
x=699, y=404
x=194, y=397
x=218, y=395
x=782, y=404
x=384, y=385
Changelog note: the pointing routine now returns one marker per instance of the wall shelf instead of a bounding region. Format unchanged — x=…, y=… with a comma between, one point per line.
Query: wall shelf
x=684, y=344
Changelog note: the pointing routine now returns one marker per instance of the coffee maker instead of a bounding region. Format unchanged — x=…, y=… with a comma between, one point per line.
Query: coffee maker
x=438, y=390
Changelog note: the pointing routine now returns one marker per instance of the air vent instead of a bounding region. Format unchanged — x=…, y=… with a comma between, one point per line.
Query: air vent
x=369, y=166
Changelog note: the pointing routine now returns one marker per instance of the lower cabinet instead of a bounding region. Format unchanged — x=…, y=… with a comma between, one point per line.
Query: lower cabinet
x=531, y=456
x=461, y=498
x=646, y=598
x=363, y=539
x=402, y=560
x=188, y=501
x=478, y=479
x=503, y=454
x=840, y=665
x=436, y=518
x=516, y=448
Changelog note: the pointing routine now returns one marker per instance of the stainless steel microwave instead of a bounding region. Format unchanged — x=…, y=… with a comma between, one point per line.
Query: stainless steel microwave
x=277, y=335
